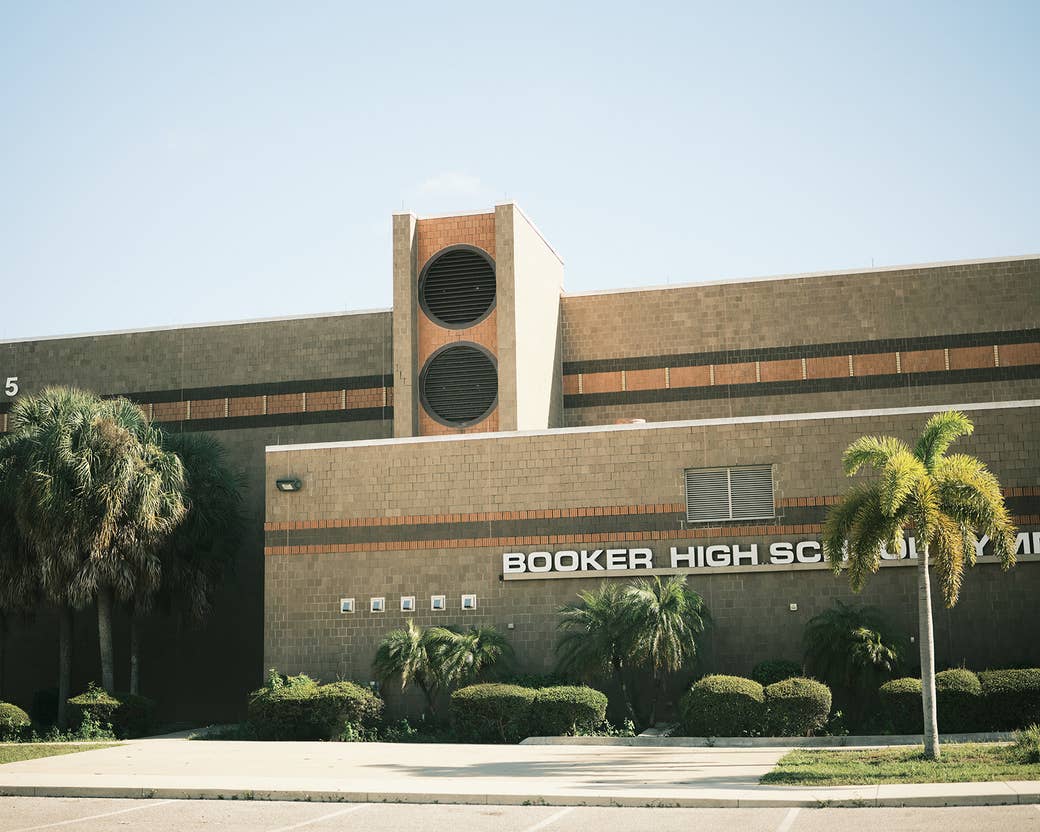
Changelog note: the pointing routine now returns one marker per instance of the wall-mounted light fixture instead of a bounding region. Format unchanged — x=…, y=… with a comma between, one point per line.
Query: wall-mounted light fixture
x=288, y=484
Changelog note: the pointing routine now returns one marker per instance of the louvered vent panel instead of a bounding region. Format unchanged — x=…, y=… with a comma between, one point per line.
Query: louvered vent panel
x=751, y=492
x=458, y=287
x=715, y=494
x=707, y=495
x=459, y=385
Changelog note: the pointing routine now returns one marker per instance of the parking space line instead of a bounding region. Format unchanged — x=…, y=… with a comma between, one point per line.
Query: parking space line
x=347, y=811
x=788, y=820
x=151, y=804
x=549, y=820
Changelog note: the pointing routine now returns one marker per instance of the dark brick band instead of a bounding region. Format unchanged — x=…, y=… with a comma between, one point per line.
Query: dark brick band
x=786, y=388
x=688, y=359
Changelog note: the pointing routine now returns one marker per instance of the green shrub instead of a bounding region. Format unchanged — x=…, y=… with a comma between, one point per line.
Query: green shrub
x=1011, y=698
x=723, y=706
x=135, y=716
x=492, y=712
x=537, y=680
x=1027, y=745
x=128, y=714
x=347, y=702
x=95, y=705
x=298, y=708
x=285, y=711
x=958, y=701
x=775, y=670
x=567, y=710
x=796, y=707
x=901, y=705
x=14, y=722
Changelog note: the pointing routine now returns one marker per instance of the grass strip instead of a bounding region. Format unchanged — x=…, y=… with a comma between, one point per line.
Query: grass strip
x=16, y=752
x=960, y=763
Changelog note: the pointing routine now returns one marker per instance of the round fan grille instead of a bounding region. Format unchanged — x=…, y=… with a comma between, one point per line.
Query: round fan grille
x=459, y=384
x=457, y=287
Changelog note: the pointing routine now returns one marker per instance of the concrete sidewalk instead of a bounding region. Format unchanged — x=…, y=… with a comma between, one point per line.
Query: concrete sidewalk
x=493, y=774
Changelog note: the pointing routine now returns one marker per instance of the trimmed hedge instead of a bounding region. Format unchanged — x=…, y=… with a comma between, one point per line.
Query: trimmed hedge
x=14, y=722
x=901, y=705
x=95, y=703
x=775, y=670
x=958, y=701
x=129, y=714
x=567, y=710
x=343, y=702
x=492, y=712
x=723, y=706
x=1011, y=698
x=796, y=707
x=301, y=709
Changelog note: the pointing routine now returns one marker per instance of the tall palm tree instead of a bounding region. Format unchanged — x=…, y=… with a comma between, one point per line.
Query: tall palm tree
x=42, y=494
x=946, y=502
x=666, y=619
x=595, y=639
x=93, y=492
x=462, y=658
x=408, y=655
x=200, y=551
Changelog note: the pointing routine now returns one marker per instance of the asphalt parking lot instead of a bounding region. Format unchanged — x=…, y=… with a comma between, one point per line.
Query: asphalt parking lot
x=27, y=814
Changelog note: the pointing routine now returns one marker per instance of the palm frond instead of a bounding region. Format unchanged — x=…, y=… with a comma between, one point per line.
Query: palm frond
x=941, y=431
x=875, y=451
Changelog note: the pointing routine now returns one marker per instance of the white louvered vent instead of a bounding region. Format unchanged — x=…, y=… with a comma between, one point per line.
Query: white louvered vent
x=716, y=494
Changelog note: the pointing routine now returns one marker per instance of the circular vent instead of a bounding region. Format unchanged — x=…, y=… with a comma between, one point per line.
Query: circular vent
x=457, y=287
x=459, y=384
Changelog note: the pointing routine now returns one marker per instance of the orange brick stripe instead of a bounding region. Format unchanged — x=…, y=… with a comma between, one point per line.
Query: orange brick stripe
x=565, y=539
x=478, y=517
x=554, y=513
x=805, y=369
x=233, y=407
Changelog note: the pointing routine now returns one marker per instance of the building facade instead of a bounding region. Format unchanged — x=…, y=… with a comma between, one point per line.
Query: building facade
x=493, y=445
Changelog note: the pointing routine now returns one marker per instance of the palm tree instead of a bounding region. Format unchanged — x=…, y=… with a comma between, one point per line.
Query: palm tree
x=853, y=650
x=200, y=551
x=93, y=491
x=408, y=654
x=946, y=502
x=462, y=658
x=41, y=491
x=666, y=618
x=596, y=639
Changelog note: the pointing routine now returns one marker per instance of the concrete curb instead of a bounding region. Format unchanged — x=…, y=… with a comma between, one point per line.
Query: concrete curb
x=645, y=741
x=993, y=794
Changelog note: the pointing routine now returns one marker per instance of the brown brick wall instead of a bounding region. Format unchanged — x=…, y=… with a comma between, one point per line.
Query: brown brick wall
x=631, y=474
x=976, y=297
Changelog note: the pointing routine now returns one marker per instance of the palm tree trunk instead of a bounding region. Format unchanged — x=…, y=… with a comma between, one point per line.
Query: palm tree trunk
x=619, y=675
x=135, y=654
x=927, y=639
x=104, y=614
x=64, y=663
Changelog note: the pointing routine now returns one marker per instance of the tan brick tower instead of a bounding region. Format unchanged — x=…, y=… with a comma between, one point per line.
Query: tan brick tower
x=476, y=319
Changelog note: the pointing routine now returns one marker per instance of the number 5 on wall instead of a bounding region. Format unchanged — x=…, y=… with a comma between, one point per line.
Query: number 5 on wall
x=11, y=387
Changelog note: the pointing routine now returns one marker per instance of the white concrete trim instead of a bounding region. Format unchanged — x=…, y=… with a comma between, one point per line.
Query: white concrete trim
x=803, y=275
x=171, y=328
x=536, y=229
x=690, y=423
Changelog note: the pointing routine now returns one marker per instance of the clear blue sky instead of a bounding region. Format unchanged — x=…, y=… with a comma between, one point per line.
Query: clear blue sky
x=166, y=163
